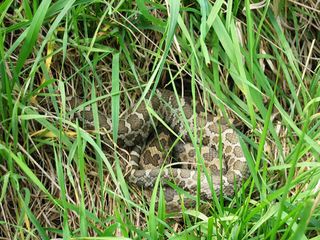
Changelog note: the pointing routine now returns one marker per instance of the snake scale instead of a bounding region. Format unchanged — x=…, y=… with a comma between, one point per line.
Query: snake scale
x=147, y=158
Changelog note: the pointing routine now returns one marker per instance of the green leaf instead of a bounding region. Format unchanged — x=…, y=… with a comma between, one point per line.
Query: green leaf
x=145, y=12
x=32, y=34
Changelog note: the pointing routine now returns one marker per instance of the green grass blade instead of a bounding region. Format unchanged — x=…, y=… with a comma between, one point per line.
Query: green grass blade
x=27, y=171
x=32, y=34
x=41, y=230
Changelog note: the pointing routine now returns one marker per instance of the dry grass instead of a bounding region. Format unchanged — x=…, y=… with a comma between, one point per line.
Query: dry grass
x=50, y=189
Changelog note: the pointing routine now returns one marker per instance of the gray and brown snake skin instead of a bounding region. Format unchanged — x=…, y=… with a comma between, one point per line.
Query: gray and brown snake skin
x=146, y=162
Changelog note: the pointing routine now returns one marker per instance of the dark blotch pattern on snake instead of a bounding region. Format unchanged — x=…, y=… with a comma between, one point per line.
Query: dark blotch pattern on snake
x=148, y=158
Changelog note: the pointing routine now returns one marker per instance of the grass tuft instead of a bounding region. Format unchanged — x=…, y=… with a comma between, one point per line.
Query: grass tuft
x=254, y=62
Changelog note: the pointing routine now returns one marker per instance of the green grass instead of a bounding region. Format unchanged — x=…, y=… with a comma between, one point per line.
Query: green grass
x=259, y=66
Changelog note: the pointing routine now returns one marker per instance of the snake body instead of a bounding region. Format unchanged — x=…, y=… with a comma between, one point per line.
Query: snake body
x=147, y=159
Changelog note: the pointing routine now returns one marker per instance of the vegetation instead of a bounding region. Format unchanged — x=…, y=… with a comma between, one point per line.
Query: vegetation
x=257, y=62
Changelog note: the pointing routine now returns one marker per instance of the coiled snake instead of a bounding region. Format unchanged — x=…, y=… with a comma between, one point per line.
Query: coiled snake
x=147, y=158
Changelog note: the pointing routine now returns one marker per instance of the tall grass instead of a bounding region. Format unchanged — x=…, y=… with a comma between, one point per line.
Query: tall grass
x=257, y=63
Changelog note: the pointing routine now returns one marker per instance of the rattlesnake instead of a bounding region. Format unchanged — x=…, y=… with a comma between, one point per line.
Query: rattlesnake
x=136, y=126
